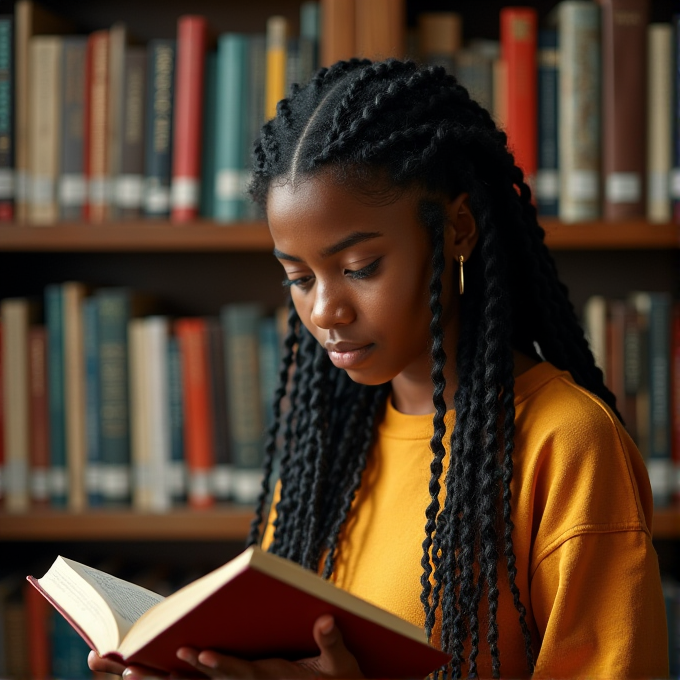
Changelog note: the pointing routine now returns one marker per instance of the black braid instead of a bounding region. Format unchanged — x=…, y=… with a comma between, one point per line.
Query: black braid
x=417, y=127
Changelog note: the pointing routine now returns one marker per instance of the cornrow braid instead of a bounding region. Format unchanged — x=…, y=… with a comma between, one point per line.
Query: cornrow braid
x=393, y=124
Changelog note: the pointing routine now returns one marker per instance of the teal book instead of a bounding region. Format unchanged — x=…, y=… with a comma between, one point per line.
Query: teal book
x=114, y=305
x=158, y=127
x=69, y=651
x=270, y=358
x=241, y=327
x=92, y=398
x=232, y=93
x=178, y=471
x=54, y=318
x=310, y=33
x=6, y=118
x=208, y=152
x=257, y=67
x=72, y=186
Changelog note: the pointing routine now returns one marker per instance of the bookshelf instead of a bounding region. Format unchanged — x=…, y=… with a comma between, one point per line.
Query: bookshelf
x=201, y=235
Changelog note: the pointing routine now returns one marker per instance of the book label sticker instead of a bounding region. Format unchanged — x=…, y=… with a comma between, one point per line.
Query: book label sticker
x=231, y=184
x=582, y=185
x=42, y=190
x=675, y=183
x=199, y=485
x=185, y=192
x=58, y=481
x=40, y=484
x=72, y=190
x=129, y=191
x=6, y=183
x=659, y=185
x=547, y=184
x=115, y=481
x=623, y=187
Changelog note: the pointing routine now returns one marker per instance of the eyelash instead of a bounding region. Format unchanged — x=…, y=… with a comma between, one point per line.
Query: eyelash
x=363, y=273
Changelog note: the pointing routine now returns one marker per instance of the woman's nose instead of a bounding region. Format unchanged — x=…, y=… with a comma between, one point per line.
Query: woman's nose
x=330, y=308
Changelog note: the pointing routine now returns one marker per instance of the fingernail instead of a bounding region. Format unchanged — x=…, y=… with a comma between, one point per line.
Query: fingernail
x=207, y=659
x=130, y=675
x=186, y=654
x=327, y=626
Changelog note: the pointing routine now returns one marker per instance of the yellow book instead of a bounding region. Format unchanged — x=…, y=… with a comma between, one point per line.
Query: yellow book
x=277, y=31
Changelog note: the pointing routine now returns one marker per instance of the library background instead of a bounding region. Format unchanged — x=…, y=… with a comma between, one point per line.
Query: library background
x=140, y=304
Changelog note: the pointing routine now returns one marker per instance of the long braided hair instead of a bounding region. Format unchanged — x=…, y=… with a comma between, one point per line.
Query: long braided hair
x=418, y=127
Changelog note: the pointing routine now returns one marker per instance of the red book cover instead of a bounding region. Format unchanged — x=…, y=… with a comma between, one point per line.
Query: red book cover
x=39, y=441
x=187, y=124
x=519, y=26
x=256, y=606
x=38, y=613
x=96, y=126
x=198, y=417
x=675, y=401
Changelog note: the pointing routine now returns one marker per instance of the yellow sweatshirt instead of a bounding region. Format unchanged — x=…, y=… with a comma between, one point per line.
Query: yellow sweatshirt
x=582, y=507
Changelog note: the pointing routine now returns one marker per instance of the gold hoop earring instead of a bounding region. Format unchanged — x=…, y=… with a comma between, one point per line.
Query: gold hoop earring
x=461, y=276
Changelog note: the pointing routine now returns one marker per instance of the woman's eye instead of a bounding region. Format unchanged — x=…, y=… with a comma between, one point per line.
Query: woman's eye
x=301, y=282
x=364, y=272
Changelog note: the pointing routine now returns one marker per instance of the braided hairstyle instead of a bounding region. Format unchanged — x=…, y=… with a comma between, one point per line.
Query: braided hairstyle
x=418, y=127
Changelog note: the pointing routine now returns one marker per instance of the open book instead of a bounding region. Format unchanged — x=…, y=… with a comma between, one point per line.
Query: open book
x=257, y=605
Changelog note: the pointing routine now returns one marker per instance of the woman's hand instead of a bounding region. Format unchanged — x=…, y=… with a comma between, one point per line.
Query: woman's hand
x=333, y=661
x=96, y=663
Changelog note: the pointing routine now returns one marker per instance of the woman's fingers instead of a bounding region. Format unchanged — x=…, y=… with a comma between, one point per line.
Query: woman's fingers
x=334, y=660
x=96, y=663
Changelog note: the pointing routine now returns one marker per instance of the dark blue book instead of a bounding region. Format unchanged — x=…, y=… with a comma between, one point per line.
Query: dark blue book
x=92, y=401
x=178, y=470
x=54, y=319
x=6, y=118
x=160, y=89
x=69, y=652
x=547, y=178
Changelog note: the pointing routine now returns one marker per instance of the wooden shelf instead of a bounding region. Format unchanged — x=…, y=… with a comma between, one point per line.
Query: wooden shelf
x=205, y=235
x=230, y=523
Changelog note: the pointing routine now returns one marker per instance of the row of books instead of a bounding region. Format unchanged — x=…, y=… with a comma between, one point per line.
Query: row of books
x=636, y=342
x=108, y=129
x=108, y=404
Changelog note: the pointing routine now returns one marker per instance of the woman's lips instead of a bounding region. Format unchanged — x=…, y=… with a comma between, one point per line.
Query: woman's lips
x=347, y=355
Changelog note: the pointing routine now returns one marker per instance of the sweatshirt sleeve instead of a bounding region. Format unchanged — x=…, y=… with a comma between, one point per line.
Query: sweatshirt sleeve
x=598, y=606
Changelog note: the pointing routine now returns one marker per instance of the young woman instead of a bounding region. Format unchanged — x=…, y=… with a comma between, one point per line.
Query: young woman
x=448, y=449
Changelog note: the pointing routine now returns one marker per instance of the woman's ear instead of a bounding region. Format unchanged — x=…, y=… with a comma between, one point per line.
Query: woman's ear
x=461, y=232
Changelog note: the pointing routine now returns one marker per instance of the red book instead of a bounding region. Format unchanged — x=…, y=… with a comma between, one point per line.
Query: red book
x=95, y=140
x=256, y=606
x=187, y=124
x=38, y=615
x=519, y=26
x=198, y=416
x=39, y=441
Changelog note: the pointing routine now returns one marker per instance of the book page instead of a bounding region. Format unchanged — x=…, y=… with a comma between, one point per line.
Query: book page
x=127, y=601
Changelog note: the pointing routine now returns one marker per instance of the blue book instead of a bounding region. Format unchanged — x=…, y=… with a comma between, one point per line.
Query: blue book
x=208, y=152
x=6, y=118
x=113, y=306
x=547, y=178
x=160, y=92
x=257, y=67
x=232, y=91
x=310, y=33
x=54, y=318
x=92, y=401
x=69, y=651
x=178, y=471
x=270, y=358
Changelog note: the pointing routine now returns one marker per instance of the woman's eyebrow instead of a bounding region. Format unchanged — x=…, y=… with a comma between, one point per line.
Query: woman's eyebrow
x=347, y=242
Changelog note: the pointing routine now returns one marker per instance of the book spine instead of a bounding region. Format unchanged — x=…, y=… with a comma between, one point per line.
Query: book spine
x=15, y=629
x=177, y=472
x=275, y=87
x=474, y=71
x=440, y=38
x=675, y=402
x=579, y=111
x=624, y=102
x=188, y=132
x=160, y=91
x=631, y=368
x=518, y=51
x=38, y=622
x=115, y=107
x=140, y=452
x=156, y=366
x=338, y=19
x=198, y=416
x=257, y=66
x=310, y=34
x=659, y=464
x=616, y=324
x=45, y=74
x=241, y=340
x=675, y=66
x=210, y=132
x=15, y=322
x=269, y=360
x=56, y=390
x=231, y=175
x=293, y=63
x=595, y=325
x=114, y=314
x=92, y=398
x=6, y=119
x=129, y=182
x=659, y=121
x=69, y=651
x=72, y=191
x=39, y=470
x=96, y=131
x=73, y=294
x=641, y=303
x=223, y=473
x=548, y=175
x=380, y=29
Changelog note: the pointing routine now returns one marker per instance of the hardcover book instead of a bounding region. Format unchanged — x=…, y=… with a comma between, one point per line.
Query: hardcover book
x=130, y=624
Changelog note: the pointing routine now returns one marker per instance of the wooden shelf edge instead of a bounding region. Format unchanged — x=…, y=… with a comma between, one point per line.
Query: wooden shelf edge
x=206, y=235
x=666, y=523
x=215, y=524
